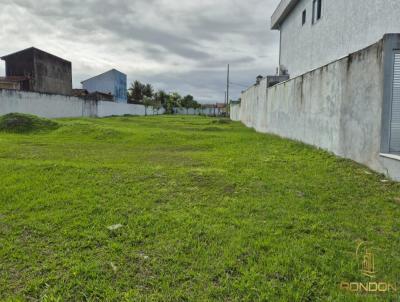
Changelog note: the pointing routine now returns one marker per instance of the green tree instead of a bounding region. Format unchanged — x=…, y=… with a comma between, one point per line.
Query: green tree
x=148, y=90
x=156, y=106
x=161, y=97
x=135, y=94
x=174, y=100
x=197, y=105
x=147, y=102
x=188, y=102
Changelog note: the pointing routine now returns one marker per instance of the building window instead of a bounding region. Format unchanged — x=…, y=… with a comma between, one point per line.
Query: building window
x=394, y=143
x=317, y=10
x=390, y=133
x=304, y=18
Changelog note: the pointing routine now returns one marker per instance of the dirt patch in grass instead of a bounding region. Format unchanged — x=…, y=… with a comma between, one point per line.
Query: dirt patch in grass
x=25, y=123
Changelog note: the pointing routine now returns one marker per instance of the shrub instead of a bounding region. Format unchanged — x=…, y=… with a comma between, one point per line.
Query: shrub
x=25, y=123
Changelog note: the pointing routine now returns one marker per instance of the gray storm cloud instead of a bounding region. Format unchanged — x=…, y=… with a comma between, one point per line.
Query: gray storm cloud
x=179, y=46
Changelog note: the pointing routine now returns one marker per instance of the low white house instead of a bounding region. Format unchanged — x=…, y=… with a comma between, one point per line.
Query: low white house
x=314, y=33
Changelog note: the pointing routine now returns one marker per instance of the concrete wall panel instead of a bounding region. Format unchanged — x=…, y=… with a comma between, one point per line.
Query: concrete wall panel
x=110, y=108
x=337, y=107
x=58, y=106
x=45, y=105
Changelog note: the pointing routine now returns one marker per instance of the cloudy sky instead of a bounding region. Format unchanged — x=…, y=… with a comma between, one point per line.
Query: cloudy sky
x=176, y=45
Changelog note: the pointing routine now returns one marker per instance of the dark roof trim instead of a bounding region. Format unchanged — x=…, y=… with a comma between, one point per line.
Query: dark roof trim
x=33, y=49
x=282, y=11
x=13, y=79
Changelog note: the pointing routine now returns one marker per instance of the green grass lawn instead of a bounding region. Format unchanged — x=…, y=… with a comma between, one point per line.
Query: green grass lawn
x=210, y=211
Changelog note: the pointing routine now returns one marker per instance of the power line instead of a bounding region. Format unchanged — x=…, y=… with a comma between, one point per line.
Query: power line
x=237, y=84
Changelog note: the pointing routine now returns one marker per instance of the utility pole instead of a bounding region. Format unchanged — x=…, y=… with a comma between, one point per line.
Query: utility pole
x=227, y=87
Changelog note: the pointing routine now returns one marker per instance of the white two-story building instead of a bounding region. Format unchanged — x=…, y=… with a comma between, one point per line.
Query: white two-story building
x=314, y=33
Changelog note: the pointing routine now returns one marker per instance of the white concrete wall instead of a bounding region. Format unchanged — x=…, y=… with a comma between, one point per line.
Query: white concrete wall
x=184, y=111
x=235, y=111
x=337, y=107
x=110, y=108
x=202, y=111
x=45, y=105
x=209, y=111
x=57, y=106
x=346, y=26
x=253, y=109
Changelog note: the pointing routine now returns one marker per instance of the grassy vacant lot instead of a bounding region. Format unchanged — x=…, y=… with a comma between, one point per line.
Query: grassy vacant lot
x=210, y=211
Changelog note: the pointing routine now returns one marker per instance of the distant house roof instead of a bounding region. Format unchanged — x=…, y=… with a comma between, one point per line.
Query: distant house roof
x=31, y=49
x=95, y=96
x=282, y=11
x=220, y=105
x=104, y=73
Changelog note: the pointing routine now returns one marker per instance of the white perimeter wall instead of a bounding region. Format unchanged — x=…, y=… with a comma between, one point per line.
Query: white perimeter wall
x=235, y=111
x=45, y=105
x=58, y=106
x=110, y=108
x=337, y=107
x=346, y=26
x=184, y=111
x=202, y=111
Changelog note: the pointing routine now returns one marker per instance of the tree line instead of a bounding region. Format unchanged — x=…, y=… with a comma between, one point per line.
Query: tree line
x=145, y=94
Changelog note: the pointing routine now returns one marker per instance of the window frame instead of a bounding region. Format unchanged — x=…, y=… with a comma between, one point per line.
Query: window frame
x=316, y=11
x=390, y=47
